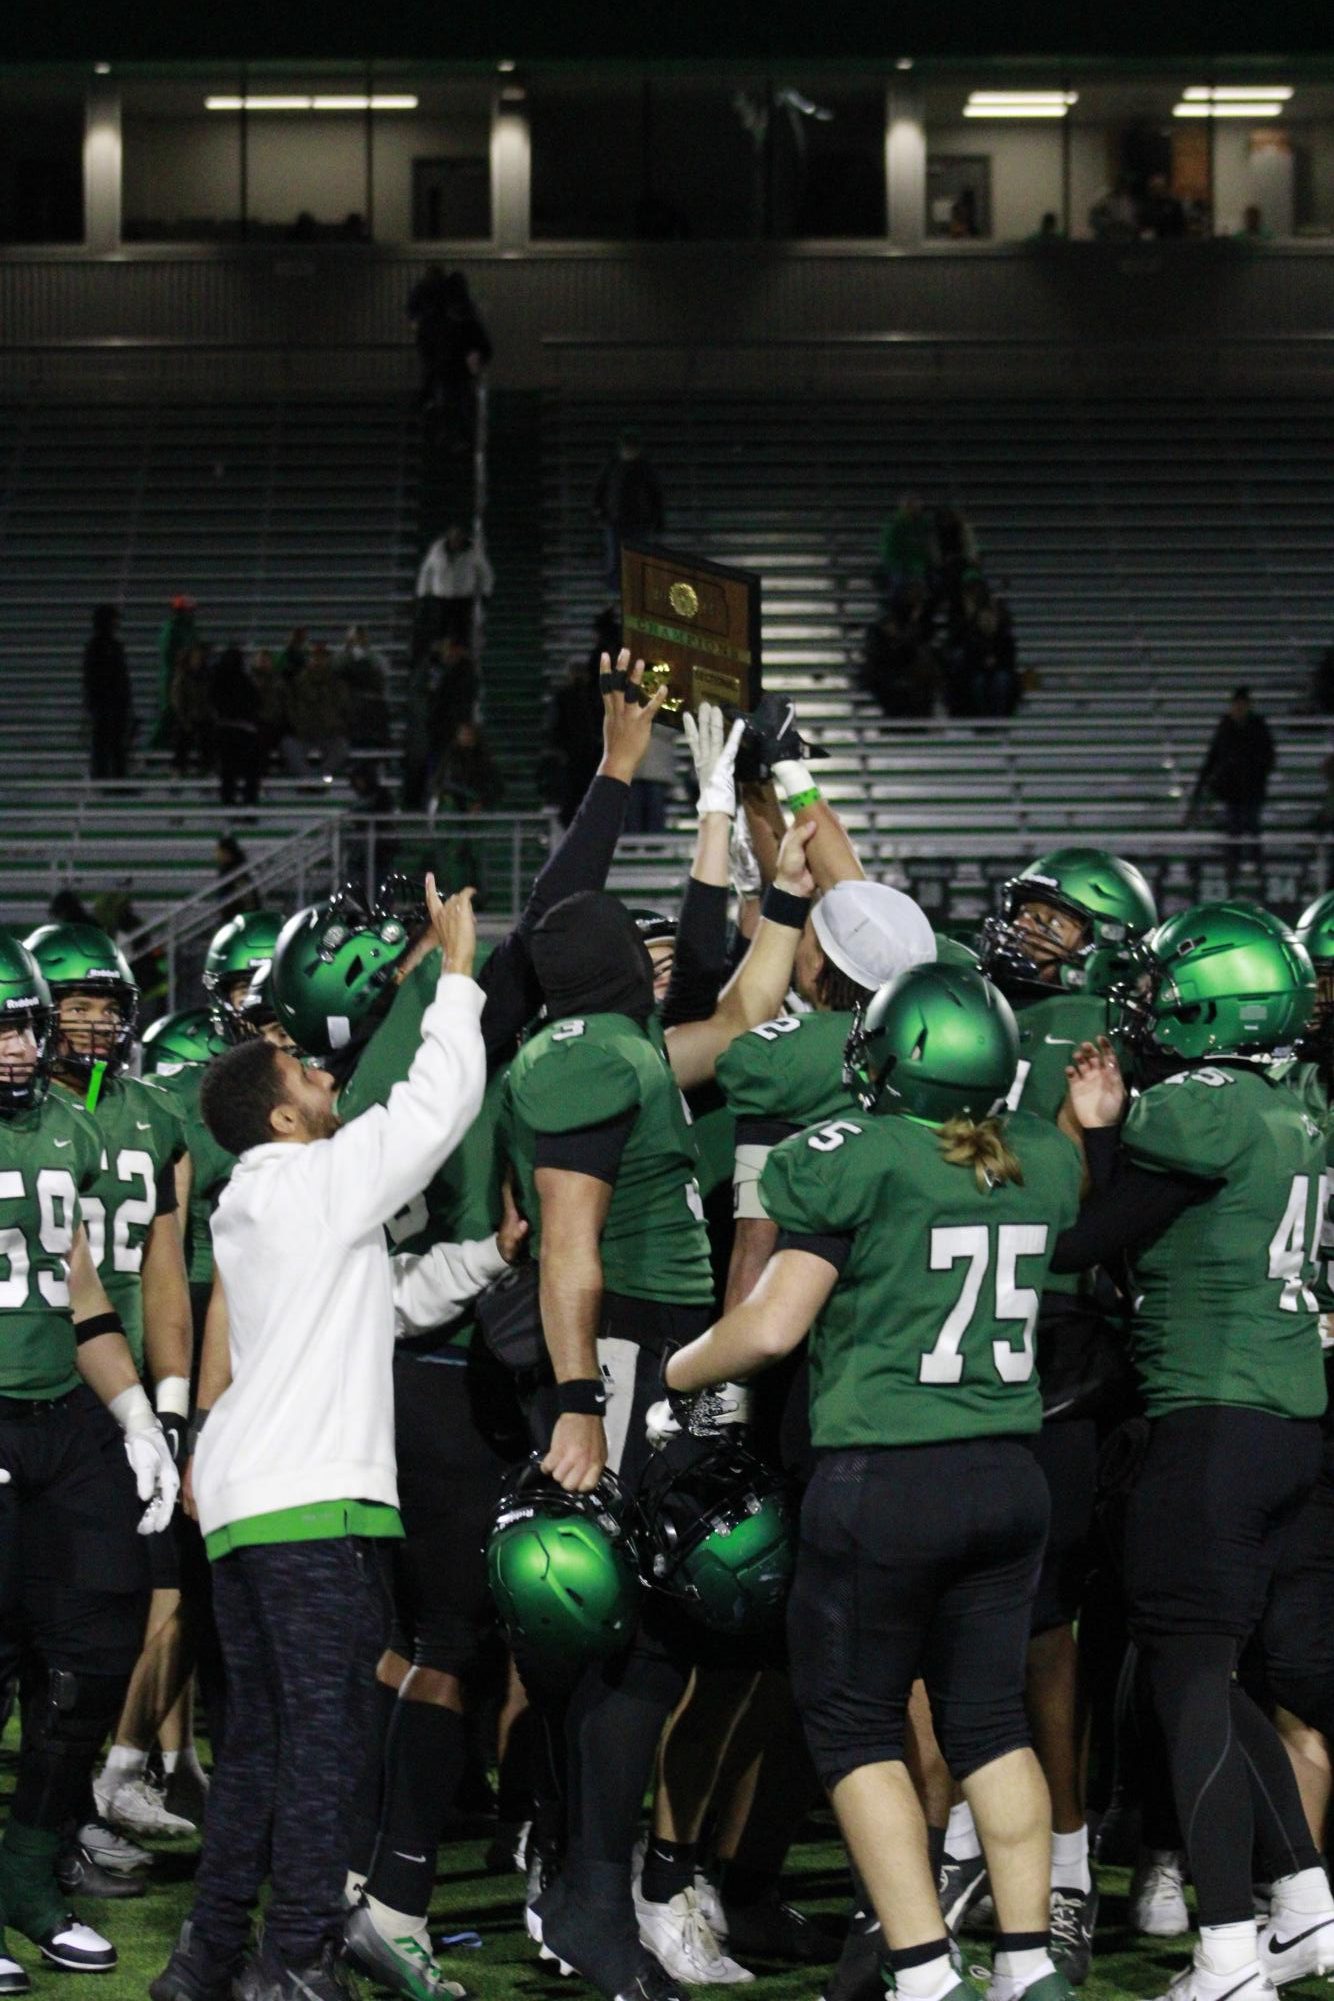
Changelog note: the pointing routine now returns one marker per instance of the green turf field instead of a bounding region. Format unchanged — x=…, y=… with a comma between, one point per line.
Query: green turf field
x=468, y=1898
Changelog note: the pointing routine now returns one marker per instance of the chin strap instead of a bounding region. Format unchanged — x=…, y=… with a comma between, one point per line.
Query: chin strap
x=95, y=1079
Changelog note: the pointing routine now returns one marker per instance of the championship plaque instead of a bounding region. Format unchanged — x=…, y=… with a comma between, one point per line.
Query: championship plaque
x=695, y=625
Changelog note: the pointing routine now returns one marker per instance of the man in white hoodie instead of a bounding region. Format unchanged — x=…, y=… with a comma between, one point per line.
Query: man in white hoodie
x=294, y=1479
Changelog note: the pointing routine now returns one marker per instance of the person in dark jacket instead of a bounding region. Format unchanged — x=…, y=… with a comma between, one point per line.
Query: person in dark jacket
x=453, y=347
x=1237, y=765
x=628, y=502
x=236, y=718
x=107, y=695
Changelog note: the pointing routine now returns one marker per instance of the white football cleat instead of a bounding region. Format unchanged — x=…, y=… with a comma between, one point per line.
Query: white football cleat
x=1157, y=1903
x=1295, y=1945
x=679, y=1937
x=139, y=1807
x=1248, y=1983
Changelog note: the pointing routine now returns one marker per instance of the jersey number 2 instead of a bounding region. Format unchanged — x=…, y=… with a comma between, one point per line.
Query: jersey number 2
x=943, y=1363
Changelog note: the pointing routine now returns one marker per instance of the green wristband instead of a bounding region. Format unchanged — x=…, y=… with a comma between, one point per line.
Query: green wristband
x=800, y=799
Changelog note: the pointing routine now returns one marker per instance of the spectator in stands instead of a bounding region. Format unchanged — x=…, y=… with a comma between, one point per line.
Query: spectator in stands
x=1161, y=213
x=231, y=860
x=1236, y=768
x=453, y=348
x=67, y=907
x=907, y=545
x=370, y=845
x=453, y=694
x=292, y=657
x=192, y=712
x=1114, y=217
x=953, y=553
x=364, y=675
x=272, y=699
x=981, y=667
x=317, y=708
x=964, y=219
x=452, y=577
x=417, y=696
x=469, y=779
x=108, y=699
x=236, y=715
x=1253, y=226
x=178, y=634
x=627, y=500
x=901, y=667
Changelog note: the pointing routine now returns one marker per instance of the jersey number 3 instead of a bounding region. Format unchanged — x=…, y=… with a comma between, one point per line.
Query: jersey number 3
x=943, y=1363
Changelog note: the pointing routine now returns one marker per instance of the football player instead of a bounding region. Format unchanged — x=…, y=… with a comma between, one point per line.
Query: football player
x=915, y=1240
x=1214, y=1188
x=1065, y=925
x=73, y=1571
x=594, y=1125
x=134, y=1237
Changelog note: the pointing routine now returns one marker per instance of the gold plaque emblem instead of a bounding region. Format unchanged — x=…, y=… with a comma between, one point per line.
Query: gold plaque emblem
x=655, y=674
x=683, y=600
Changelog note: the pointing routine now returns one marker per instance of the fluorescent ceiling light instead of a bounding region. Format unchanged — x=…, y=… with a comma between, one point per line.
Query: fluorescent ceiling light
x=1200, y=93
x=1014, y=110
x=350, y=102
x=1268, y=110
x=1057, y=97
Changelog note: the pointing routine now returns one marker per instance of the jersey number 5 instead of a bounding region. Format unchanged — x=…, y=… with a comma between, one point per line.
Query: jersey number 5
x=950, y=1246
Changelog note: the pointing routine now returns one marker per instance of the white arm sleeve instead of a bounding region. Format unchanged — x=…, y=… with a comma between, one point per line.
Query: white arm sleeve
x=746, y=1172
x=431, y=1286
x=375, y=1165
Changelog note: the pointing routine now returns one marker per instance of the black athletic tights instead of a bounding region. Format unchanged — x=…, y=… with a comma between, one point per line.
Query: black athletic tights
x=1231, y=1779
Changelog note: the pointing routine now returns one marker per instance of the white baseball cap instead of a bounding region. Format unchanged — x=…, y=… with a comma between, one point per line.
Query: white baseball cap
x=872, y=932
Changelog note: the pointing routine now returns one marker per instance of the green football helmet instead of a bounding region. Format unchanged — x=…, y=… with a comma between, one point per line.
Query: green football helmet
x=953, y=952
x=564, y=1568
x=81, y=960
x=186, y=1040
x=1109, y=898
x=237, y=952
x=717, y=1538
x=1220, y=979
x=1315, y=930
x=938, y=1042
x=333, y=972
x=25, y=1003
x=653, y=924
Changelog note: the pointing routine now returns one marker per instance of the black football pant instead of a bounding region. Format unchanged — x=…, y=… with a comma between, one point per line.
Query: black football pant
x=73, y=1592
x=302, y=1625
x=1206, y=1525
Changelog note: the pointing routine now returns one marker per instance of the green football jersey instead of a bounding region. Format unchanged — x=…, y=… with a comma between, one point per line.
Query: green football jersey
x=1049, y=1032
x=142, y=1139
x=1224, y=1310
x=48, y=1157
x=581, y=1073
x=210, y=1168
x=929, y=1333
x=788, y=1073
x=463, y=1200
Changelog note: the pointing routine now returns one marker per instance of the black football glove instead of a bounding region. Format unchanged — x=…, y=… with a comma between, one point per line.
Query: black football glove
x=771, y=735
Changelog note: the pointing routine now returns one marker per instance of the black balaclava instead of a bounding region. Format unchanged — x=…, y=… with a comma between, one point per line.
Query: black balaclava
x=590, y=959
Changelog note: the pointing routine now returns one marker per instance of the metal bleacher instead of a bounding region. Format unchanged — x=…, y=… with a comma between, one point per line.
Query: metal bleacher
x=271, y=513
x=1155, y=552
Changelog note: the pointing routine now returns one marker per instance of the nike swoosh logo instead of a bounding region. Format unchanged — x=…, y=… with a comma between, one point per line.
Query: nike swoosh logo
x=1286, y=1944
x=403, y=1857
x=64, y=1142
x=1060, y=1041
x=140, y=1127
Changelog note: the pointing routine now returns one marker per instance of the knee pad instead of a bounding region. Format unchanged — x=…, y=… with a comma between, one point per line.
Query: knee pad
x=66, y=1719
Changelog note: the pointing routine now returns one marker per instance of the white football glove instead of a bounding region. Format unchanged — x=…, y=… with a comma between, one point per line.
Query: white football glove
x=149, y=1453
x=715, y=758
x=706, y=1414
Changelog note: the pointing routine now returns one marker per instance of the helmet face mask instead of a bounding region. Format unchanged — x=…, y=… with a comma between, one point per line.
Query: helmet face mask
x=1027, y=949
x=717, y=1538
x=1315, y=930
x=236, y=952
x=94, y=996
x=25, y=1030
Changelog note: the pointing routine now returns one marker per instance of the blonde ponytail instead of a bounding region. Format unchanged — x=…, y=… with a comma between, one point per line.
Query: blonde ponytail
x=981, y=1144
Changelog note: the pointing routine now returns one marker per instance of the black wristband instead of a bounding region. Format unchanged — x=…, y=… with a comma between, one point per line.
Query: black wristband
x=196, y=1425
x=97, y=1323
x=780, y=908
x=585, y=1397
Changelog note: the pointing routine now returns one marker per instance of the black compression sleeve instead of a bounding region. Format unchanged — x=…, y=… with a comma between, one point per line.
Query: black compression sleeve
x=594, y=1150
x=1136, y=1206
x=700, y=966
x=834, y=1246
x=1102, y=1150
x=763, y=1132
x=166, y=1190
x=513, y=995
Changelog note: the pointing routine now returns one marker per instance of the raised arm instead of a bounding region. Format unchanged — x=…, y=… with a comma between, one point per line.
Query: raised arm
x=762, y=1329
